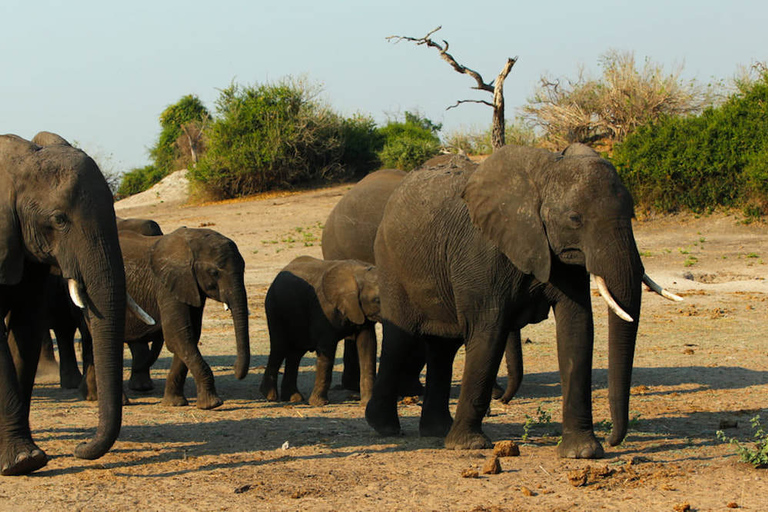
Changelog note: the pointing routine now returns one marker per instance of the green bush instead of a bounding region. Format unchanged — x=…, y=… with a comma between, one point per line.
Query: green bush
x=181, y=122
x=138, y=180
x=279, y=135
x=718, y=158
x=408, y=144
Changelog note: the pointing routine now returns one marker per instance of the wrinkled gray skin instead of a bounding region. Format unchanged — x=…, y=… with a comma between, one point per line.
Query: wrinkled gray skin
x=469, y=257
x=56, y=210
x=310, y=306
x=170, y=277
x=65, y=319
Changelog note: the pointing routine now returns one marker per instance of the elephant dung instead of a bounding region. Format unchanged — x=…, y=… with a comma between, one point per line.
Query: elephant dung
x=506, y=449
x=492, y=466
x=470, y=473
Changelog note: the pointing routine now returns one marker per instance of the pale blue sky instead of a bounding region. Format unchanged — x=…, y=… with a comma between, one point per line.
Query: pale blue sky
x=100, y=73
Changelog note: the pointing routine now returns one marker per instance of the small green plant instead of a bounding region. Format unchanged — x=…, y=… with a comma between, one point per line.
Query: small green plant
x=683, y=251
x=646, y=254
x=543, y=418
x=756, y=455
x=604, y=426
x=753, y=255
x=690, y=261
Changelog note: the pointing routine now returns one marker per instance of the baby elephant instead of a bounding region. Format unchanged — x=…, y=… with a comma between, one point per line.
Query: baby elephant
x=310, y=306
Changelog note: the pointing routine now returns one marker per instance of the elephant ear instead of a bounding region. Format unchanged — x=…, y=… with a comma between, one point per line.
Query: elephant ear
x=340, y=289
x=505, y=205
x=173, y=262
x=11, y=245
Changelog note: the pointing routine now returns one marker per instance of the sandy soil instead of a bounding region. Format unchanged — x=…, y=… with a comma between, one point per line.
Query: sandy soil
x=700, y=365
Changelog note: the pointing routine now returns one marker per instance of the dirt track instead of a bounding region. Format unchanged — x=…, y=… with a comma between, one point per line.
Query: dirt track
x=699, y=364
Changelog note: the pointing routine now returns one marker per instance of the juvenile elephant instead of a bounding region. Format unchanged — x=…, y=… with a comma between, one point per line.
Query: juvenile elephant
x=171, y=276
x=471, y=257
x=348, y=234
x=55, y=210
x=310, y=306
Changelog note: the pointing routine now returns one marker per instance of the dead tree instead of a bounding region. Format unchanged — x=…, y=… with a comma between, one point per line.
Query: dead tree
x=496, y=88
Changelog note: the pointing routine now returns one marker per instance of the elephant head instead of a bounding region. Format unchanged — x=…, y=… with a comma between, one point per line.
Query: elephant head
x=198, y=263
x=56, y=209
x=545, y=209
x=351, y=287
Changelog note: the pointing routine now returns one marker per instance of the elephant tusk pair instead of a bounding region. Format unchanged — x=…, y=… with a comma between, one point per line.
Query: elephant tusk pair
x=658, y=289
x=77, y=294
x=606, y=295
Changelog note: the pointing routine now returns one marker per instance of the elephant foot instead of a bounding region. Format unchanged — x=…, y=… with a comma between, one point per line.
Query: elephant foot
x=21, y=459
x=69, y=380
x=318, y=400
x=462, y=439
x=295, y=397
x=435, y=426
x=580, y=445
x=174, y=401
x=411, y=387
x=125, y=399
x=497, y=392
x=381, y=415
x=140, y=382
x=268, y=390
x=208, y=402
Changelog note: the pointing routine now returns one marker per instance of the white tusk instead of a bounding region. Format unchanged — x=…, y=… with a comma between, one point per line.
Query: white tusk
x=76, y=293
x=658, y=289
x=136, y=310
x=606, y=295
x=226, y=307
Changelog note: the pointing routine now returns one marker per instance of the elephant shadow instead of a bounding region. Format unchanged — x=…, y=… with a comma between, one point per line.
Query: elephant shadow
x=547, y=384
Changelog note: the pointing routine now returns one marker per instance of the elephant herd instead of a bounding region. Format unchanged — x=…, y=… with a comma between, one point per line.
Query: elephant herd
x=451, y=254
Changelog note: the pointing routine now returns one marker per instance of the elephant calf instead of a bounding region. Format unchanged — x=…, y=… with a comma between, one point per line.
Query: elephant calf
x=310, y=306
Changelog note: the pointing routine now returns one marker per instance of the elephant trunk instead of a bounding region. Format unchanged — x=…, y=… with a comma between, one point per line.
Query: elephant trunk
x=624, y=281
x=238, y=304
x=104, y=285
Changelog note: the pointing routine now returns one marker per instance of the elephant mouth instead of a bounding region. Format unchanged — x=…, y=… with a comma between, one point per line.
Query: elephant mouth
x=572, y=257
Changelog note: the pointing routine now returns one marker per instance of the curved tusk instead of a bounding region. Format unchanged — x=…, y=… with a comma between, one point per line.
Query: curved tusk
x=136, y=310
x=226, y=307
x=606, y=295
x=658, y=289
x=76, y=293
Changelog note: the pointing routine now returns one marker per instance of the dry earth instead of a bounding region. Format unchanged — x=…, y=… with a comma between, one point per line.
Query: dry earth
x=701, y=365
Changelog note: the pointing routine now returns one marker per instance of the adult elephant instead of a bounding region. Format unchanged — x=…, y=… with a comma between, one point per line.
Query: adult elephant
x=170, y=277
x=348, y=234
x=471, y=257
x=56, y=209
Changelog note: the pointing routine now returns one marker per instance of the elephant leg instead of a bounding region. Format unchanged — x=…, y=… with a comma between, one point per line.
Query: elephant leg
x=366, y=351
x=182, y=334
x=88, y=383
x=69, y=373
x=140, y=363
x=47, y=363
x=268, y=387
x=435, y=419
x=18, y=453
x=514, y=357
x=575, y=339
x=289, y=391
x=397, y=346
x=326, y=356
x=484, y=350
x=409, y=383
x=350, y=376
x=174, y=384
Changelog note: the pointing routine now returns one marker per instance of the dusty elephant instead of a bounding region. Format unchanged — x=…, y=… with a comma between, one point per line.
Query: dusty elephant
x=470, y=257
x=310, y=306
x=171, y=276
x=56, y=210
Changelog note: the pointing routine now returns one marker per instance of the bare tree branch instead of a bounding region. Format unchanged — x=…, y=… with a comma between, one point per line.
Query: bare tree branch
x=496, y=88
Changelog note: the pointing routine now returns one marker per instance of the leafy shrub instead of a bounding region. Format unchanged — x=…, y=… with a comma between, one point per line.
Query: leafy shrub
x=278, y=135
x=408, y=144
x=181, y=135
x=138, y=180
x=718, y=158
x=479, y=142
x=756, y=455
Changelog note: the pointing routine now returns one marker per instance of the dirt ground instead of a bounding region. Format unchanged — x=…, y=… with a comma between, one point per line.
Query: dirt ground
x=700, y=365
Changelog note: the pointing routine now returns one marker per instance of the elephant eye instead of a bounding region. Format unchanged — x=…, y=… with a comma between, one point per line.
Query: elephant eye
x=574, y=220
x=214, y=273
x=59, y=220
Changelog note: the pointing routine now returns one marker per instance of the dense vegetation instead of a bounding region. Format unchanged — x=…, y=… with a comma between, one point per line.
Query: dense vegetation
x=717, y=158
